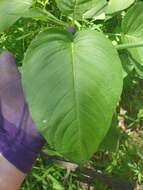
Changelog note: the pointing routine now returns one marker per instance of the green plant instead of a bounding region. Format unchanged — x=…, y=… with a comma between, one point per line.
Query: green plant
x=72, y=73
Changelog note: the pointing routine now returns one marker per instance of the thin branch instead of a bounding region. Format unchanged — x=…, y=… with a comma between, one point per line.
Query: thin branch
x=114, y=182
x=129, y=45
x=89, y=176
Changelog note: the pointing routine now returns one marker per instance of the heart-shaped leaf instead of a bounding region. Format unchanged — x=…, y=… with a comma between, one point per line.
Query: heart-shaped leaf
x=72, y=85
x=10, y=11
x=132, y=27
x=118, y=5
x=77, y=8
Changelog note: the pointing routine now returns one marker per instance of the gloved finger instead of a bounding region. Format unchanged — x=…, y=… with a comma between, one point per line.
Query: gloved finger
x=8, y=68
x=20, y=141
x=11, y=92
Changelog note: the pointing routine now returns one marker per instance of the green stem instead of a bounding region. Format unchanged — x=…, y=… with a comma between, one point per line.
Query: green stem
x=129, y=45
x=112, y=34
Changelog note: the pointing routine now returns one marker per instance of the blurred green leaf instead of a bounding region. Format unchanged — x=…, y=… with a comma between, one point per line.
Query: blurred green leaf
x=81, y=9
x=8, y=10
x=96, y=12
x=127, y=63
x=132, y=27
x=140, y=114
x=118, y=5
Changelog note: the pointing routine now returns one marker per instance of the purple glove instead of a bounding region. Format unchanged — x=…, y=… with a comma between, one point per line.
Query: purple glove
x=20, y=141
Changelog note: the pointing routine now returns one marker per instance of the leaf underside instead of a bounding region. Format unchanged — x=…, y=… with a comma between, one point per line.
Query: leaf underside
x=68, y=82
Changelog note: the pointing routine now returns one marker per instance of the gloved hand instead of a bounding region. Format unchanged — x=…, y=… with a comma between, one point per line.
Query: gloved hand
x=20, y=142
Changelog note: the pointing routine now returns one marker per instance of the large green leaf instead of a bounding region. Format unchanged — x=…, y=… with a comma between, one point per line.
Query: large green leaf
x=72, y=84
x=77, y=8
x=9, y=10
x=118, y=5
x=132, y=27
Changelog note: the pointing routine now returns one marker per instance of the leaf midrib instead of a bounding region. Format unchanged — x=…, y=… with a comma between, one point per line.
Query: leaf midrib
x=75, y=96
x=75, y=4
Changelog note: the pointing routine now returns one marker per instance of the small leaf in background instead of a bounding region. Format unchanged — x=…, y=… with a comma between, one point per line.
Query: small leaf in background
x=112, y=138
x=40, y=14
x=8, y=10
x=140, y=114
x=118, y=5
x=81, y=9
x=34, y=13
x=72, y=94
x=132, y=27
x=139, y=70
x=127, y=63
x=97, y=12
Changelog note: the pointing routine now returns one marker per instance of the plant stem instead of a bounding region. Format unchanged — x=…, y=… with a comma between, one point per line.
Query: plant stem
x=129, y=45
x=112, y=34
